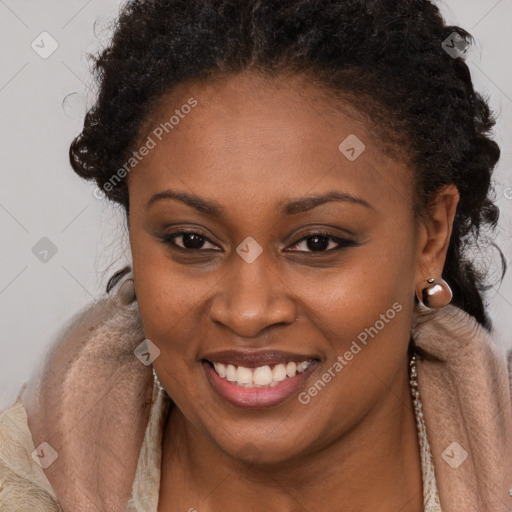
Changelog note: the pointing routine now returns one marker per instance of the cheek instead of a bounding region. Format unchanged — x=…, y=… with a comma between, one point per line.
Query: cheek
x=168, y=297
x=364, y=286
x=363, y=309
x=362, y=312
x=169, y=304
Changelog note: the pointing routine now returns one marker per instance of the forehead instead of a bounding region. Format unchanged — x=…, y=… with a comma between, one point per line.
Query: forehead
x=258, y=138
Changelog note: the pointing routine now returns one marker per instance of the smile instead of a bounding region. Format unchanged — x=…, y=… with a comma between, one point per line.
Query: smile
x=260, y=386
x=261, y=376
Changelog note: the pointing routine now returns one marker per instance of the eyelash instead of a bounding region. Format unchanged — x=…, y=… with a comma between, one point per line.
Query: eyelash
x=342, y=242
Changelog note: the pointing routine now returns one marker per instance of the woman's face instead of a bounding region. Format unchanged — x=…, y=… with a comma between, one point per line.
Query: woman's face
x=255, y=285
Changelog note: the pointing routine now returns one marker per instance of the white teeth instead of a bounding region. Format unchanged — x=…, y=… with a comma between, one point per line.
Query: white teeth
x=291, y=369
x=262, y=376
x=231, y=373
x=279, y=373
x=302, y=366
x=243, y=375
x=220, y=369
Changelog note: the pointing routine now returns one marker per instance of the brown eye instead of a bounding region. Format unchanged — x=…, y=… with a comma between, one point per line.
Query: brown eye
x=191, y=240
x=322, y=242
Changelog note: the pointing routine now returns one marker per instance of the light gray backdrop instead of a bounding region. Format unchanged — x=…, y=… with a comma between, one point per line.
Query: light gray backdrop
x=60, y=243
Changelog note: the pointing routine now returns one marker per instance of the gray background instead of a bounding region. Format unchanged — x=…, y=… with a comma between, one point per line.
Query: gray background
x=42, y=104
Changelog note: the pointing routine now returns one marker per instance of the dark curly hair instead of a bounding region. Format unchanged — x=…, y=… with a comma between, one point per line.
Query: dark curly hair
x=385, y=58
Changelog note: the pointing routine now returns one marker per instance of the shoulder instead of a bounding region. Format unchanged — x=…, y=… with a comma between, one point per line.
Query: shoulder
x=23, y=484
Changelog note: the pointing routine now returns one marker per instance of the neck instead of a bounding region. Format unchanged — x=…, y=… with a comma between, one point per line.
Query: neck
x=374, y=466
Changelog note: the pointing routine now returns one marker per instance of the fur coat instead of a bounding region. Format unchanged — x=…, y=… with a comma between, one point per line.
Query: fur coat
x=96, y=415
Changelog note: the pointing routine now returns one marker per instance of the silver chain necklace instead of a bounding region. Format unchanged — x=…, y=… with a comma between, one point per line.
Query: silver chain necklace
x=430, y=494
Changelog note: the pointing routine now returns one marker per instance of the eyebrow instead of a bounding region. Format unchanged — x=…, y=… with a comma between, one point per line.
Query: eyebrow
x=293, y=207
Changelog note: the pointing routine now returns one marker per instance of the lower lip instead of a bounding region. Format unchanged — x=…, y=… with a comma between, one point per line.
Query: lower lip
x=255, y=398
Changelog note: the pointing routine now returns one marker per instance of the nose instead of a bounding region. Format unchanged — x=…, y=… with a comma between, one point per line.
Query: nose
x=251, y=297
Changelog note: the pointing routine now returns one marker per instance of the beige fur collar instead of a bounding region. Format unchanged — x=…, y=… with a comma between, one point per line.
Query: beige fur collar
x=466, y=392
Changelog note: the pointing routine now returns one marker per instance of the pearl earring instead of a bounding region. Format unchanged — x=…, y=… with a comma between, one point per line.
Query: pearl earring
x=436, y=295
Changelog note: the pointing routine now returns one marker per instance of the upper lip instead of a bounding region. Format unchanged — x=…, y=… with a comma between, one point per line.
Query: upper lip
x=255, y=358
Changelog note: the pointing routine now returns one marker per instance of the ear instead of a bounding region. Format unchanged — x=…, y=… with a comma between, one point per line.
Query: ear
x=434, y=234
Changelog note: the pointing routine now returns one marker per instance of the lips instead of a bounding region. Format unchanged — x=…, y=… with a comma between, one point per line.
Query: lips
x=257, y=379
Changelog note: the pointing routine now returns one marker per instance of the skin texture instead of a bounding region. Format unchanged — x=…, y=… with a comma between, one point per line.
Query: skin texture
x=252, y=144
